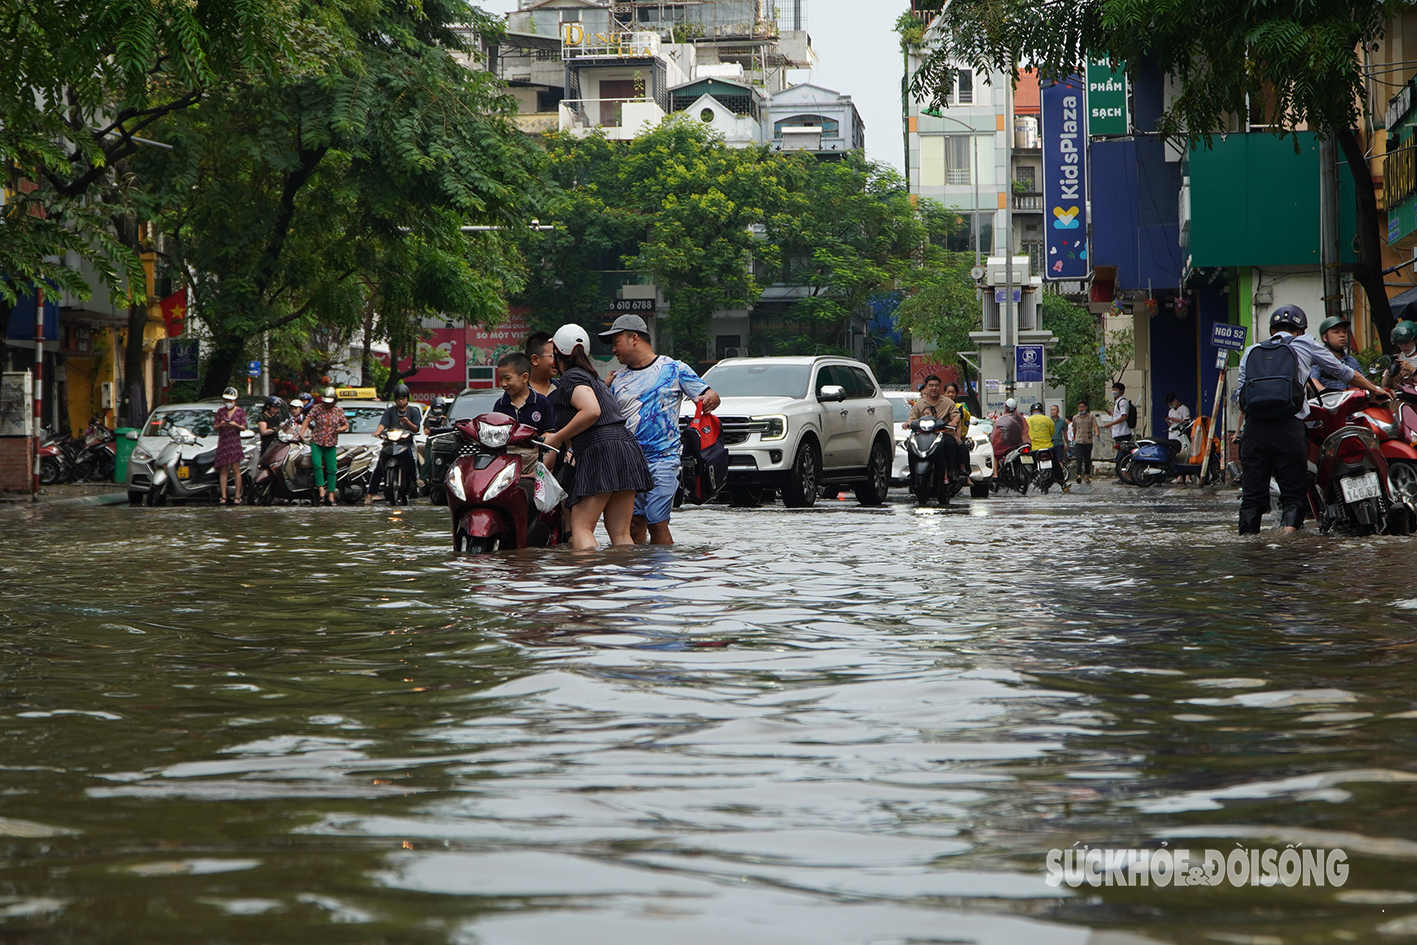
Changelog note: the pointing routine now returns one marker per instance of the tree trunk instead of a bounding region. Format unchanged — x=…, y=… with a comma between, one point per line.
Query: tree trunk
x=366, y=356
x=133, y=365
x=221, y=366
x=1369, y=269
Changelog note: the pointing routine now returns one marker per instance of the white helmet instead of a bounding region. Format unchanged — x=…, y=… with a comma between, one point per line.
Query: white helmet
x=568, y=336
x=1011, y=405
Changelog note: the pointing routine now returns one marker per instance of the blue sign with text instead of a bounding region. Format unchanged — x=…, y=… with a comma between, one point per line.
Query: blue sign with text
x=184, y=359
x=1064, y=139
x=1231, y=337
x=253, y=369
x=1028, y=364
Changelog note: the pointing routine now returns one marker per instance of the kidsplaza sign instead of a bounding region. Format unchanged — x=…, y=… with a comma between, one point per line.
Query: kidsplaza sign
x=1065, y=179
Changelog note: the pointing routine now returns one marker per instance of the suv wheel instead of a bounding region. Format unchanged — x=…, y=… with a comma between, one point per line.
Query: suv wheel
x=800, y=489
x=745, y=497
x=873, y=491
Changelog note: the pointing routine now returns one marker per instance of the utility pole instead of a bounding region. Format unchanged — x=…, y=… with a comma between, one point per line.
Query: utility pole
x=38, y=385
x=1328, y=227
x=1011, y=317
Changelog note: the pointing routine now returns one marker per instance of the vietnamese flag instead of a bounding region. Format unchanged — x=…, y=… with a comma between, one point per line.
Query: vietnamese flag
x=174, y=312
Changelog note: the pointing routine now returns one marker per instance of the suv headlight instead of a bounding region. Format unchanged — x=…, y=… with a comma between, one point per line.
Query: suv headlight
x=141, y=455
x=776, y=427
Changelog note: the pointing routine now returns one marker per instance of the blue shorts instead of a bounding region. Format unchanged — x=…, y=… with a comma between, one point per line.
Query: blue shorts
x=654, y=506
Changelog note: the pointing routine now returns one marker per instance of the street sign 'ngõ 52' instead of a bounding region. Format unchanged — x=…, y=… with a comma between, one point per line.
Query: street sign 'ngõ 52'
x=1231, y=337
x=1065, y=179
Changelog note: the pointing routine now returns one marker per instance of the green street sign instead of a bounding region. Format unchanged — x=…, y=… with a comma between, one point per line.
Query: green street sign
x=1106, y=99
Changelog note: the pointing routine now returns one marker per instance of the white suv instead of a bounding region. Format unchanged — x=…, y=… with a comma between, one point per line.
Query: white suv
x=795, y=424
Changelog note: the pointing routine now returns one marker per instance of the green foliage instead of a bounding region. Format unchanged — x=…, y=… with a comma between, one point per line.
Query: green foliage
x=712, y=225
x=1086, y=360
x=336, y=188
x=1270, y=63
x=943, y=305
x=910, y=29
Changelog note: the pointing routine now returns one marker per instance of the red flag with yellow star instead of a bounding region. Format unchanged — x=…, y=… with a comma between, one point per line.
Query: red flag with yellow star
x=174, y=312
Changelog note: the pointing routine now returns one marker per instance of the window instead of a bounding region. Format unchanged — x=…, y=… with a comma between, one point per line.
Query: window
x=832, y=374
x=722, y=344
x=957, y=159
x=1034, y=250
x=1024, y=175
x=862, y=385
x=830, y=128
x=964, y=87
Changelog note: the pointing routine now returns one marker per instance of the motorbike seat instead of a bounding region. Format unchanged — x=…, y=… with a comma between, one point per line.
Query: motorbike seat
x=1175, y=445
x=305, y=462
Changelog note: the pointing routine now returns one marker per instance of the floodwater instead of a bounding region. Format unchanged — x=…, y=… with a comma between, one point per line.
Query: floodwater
x=829, y=726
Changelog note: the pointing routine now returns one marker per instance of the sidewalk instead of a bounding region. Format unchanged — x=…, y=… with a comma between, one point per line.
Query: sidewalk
x=77, y=493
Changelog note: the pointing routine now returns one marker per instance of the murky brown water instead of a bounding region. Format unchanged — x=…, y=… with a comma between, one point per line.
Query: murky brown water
x=838, y=726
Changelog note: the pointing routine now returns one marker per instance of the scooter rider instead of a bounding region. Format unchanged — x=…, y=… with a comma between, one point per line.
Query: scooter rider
x=1009, y=431
x=948, y=412
x=437, y=416
x=400, y=415
x=1404, y=360
x=1334, y=332
x=1275, y=446
x=1040, y=434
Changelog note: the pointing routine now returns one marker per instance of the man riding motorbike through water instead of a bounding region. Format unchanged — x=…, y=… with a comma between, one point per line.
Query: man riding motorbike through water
x=1334, y=333
x=1009, y=431
x=1404, y=360
x=400, y=416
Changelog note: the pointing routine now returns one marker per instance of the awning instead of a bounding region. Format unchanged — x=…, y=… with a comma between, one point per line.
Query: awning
x=1404, y=305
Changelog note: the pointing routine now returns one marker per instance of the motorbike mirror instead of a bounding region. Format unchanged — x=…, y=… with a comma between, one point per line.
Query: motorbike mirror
x=831, y=393
x=247, y=434
x=131, y=435
x=1383, y=362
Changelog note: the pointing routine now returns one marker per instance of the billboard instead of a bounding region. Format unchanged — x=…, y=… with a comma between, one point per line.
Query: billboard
x=1064, y=138
x=1106, y=99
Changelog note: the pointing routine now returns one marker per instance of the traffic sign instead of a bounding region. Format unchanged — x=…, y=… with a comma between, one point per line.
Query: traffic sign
x=1028, y=364
x=253, y=369
x=1230, y=337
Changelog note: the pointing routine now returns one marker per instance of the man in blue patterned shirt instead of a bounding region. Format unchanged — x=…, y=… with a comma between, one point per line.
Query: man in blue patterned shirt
x=649, y=391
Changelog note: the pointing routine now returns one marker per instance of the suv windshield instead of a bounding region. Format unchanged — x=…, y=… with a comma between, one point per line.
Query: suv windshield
x=363, y=419
x=900, y=408
x=746, y=379
x=197, y=419
x=469, y=405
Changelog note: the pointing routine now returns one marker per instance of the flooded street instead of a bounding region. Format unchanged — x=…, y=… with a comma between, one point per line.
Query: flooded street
x=836, y=725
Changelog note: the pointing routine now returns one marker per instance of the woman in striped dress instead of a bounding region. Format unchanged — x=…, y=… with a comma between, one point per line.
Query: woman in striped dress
x=610, y=466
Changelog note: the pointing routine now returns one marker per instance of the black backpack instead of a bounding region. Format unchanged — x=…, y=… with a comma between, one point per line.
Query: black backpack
x=1272, y=390
x=1131, y=415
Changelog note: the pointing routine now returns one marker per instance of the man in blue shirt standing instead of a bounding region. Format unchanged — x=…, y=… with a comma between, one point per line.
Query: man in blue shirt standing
x=649, y=391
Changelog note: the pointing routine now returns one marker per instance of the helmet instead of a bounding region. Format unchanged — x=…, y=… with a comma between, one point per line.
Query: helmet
x=1010, y=405
x=1291, y=315
x=229, y=394
x=329, y=395
x=1404, y=332
x=1333, y=321
x=1036, y=408
x=307, y=398
x=568, y=336
x=441, y=403
x=273, y=402
x=400, y=391
x=297, y=403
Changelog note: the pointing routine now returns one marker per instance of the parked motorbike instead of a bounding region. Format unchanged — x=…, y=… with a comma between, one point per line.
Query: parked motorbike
x=1395, y=425
x=400, y=466
x=1350, y=488
x=183, y=470
x=1153, y=461
x=56, y=458
x=96, y=458
x=287, y=472
x=927, y=452
x=1015, y=470
x=489, y=505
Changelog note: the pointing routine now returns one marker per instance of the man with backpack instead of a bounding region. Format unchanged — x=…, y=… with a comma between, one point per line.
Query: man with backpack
x=1273, y=374
x=1124, y=419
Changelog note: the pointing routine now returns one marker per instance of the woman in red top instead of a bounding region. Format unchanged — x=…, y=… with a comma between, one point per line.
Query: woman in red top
x=323, y=425
x=230, y=421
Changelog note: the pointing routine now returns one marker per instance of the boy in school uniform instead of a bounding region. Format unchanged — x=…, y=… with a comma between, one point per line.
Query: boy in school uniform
x=521, y=401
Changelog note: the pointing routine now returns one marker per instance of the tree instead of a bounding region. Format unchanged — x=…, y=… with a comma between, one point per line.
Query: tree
x=337, y=188
x=1282, y=64
x=1087, y=360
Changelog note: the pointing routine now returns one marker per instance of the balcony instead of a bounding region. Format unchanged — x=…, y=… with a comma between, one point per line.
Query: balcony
x=620, y=118
x=1028, y=203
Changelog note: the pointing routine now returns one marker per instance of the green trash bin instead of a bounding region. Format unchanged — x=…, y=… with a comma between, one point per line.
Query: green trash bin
x=125, y=449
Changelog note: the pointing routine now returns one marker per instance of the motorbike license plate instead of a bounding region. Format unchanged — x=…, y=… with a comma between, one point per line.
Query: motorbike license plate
x=1356, y=488
x=1045, y=464
x=184, y=472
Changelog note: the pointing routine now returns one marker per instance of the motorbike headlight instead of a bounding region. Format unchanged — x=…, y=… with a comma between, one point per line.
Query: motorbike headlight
x=505, y=479
x=454, y=481
x=494, y=436
x=776, y=427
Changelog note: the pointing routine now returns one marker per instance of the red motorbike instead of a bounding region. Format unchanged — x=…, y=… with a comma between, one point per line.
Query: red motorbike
x=491, y=505
x=1395, y=426
x=1350, y=486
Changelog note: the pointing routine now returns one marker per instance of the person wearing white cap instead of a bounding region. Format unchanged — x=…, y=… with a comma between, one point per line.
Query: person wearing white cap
x=230, y=422
x=650, y=391
x=609, y=466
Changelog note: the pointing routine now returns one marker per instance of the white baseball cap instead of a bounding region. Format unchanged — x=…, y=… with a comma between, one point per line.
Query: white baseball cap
x=568, y=336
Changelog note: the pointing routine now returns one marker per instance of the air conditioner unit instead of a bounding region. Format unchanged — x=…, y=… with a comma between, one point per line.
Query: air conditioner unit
x=735, y=352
